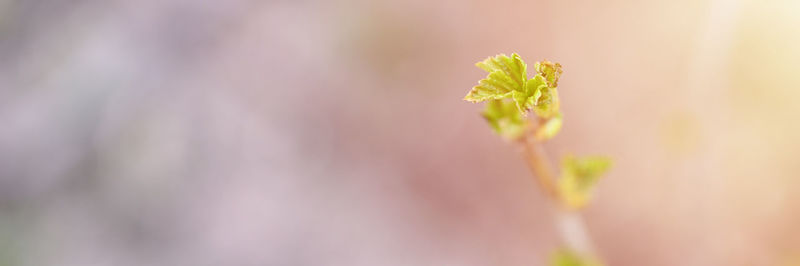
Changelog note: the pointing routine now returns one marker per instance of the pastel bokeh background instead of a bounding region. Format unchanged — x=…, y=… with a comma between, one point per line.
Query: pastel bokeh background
x=318, y=132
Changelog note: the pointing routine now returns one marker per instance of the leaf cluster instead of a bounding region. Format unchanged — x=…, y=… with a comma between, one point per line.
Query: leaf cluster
x=507, y=85
x=511, y=95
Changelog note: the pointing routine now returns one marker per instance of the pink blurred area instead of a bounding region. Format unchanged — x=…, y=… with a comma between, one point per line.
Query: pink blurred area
x=333, y=132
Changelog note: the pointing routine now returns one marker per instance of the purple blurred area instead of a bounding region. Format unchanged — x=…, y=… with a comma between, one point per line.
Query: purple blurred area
x=319, y=132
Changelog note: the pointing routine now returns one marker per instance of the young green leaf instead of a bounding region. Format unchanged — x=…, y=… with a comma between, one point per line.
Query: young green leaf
x=528, y=97
x=550, y=128
x=567, y=257
x=505, y=119
x=512, y=66
x=578, y=178
x=547, y=105
x=506, y=74
x=496, y=86
x=551, y=72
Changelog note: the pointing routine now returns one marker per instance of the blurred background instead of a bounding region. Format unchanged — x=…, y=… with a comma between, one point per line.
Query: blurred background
x=317, y=132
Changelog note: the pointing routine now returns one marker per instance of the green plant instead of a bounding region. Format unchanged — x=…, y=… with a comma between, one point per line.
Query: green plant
x=510, y=96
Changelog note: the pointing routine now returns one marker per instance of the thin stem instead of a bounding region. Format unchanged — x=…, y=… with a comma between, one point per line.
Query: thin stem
x=539, y=164
x=573, y=230
x=570, y=223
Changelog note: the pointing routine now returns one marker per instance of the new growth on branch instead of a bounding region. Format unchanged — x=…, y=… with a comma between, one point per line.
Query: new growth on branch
x=510, y=96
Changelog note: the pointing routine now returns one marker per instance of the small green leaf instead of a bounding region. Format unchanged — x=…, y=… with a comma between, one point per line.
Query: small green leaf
x=505, y=119
x=551, y=72
x=578, y=177
x=567, y=257
x=547, y=106
x=527, y=98
x=506, y=75
x=550, y=128
x=512, y=66
x=496, y=86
